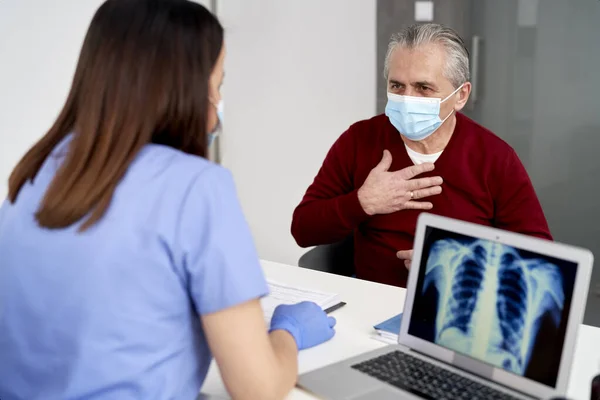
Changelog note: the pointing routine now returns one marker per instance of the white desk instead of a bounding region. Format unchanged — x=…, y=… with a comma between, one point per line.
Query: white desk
x=370, y=303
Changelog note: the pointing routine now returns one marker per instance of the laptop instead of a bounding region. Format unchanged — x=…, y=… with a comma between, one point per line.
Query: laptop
x=488, y=314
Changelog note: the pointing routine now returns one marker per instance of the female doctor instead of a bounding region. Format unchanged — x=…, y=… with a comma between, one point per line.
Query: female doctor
x=125, y=260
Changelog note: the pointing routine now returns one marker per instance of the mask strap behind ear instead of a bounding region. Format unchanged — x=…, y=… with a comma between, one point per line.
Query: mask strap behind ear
x=453, y=93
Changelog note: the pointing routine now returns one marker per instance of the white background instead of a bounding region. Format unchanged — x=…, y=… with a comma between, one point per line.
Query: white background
x=298, y=74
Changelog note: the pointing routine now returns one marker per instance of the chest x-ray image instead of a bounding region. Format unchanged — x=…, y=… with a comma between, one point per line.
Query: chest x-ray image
x=494, y=303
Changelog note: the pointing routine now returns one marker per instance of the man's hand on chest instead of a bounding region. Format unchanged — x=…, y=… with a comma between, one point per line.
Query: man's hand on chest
x=385, y=192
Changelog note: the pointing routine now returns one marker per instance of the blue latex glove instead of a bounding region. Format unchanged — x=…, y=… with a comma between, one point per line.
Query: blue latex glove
x=306, y=322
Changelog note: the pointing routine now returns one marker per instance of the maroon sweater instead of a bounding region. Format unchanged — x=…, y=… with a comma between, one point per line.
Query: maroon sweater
x=484, y=182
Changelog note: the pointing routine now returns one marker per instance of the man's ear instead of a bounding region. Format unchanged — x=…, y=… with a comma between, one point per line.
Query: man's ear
x=463, y=96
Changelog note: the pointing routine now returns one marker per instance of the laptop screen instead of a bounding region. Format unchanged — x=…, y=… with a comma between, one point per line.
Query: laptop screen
x=498, y=304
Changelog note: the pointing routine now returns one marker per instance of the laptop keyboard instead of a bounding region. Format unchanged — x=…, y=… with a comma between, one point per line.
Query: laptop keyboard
x=426, y=380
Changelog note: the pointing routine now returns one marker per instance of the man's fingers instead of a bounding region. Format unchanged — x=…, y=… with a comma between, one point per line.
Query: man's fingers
x=422, y=193
x=416, y=184
x=386, y=161
x=418, y=205
x=412, y=171
x=404, y=254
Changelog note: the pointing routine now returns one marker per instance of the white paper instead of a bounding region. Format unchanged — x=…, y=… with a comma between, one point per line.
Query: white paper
x=286, y=294
x=423, y=11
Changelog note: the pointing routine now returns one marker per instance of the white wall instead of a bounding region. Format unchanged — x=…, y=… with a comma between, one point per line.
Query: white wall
x=40, y=42
x=298, y=73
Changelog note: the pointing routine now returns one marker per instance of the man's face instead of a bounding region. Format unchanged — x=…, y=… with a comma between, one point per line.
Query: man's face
x=420, y=72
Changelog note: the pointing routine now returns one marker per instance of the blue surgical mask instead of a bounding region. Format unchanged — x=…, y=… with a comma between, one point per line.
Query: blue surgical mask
x=416, y=118
x=212, y=135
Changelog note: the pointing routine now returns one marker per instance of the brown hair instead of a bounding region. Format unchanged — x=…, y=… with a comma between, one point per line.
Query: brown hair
x=142, y=77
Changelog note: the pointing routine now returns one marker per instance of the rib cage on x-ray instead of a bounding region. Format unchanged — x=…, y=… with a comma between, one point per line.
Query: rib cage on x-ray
x=491, y=300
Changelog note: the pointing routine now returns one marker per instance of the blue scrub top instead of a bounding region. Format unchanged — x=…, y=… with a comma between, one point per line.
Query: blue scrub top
x=113, y=313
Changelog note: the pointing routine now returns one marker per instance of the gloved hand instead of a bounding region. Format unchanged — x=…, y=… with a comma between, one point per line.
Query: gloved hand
x=306, y=322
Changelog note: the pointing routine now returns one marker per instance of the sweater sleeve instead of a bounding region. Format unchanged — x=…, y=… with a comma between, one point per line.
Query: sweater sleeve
x=517, y=207
x=330, y=209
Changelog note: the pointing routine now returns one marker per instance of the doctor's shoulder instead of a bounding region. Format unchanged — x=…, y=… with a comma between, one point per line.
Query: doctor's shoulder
x=170, y=179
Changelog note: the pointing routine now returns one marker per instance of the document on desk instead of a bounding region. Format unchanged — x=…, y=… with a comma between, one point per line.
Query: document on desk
x=281, y=293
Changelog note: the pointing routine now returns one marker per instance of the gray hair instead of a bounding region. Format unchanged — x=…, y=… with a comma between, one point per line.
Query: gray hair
x=457, y=56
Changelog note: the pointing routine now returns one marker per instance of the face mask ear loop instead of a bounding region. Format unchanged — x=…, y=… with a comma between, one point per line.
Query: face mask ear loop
x=453, y=93
x=451, y=112
x=450, y=95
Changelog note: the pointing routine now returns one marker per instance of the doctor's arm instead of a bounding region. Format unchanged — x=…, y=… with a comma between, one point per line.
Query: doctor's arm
x=226, y=281
x=257, y=365
x=253, y=364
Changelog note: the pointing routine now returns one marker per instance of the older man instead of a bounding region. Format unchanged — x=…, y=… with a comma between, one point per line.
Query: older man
x=421, y=155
